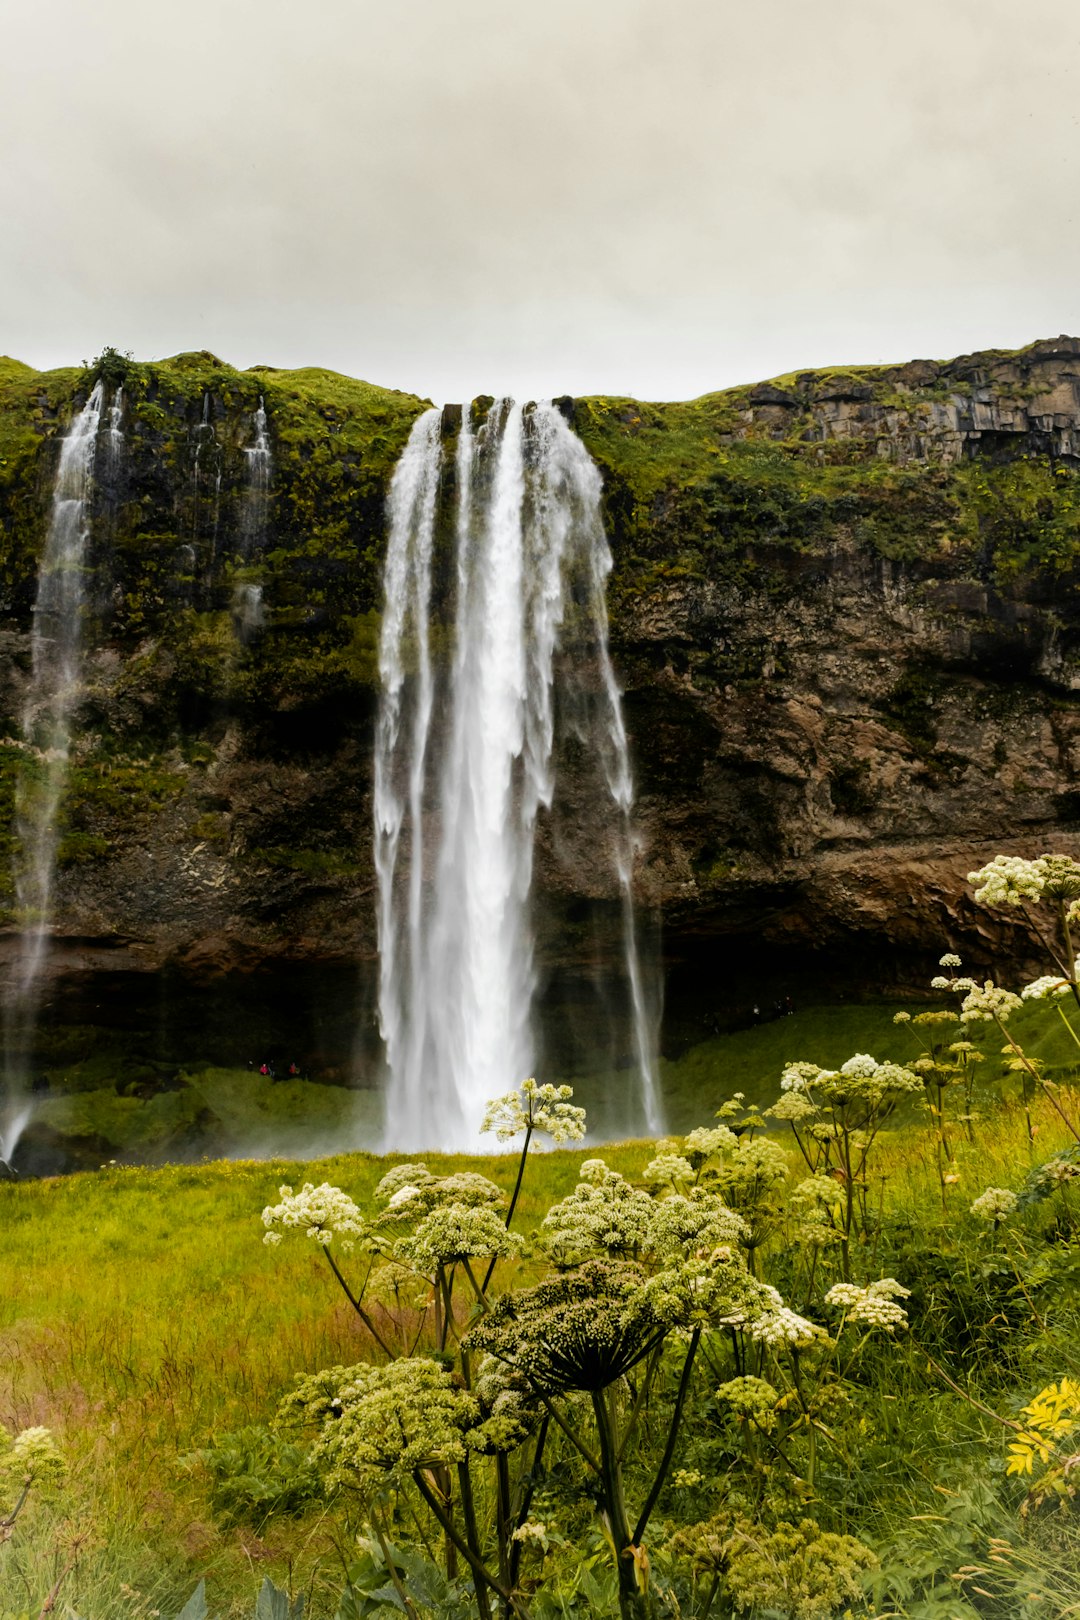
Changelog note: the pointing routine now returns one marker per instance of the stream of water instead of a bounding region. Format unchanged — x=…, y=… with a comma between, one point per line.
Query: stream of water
x=465, y=761
x=247, y=599
x=51, y=698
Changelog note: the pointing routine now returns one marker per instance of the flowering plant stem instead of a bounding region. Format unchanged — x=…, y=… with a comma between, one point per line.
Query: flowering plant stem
x=357, y=1306
x=480, y=1571
x=514, y=1194
x=391, y=1568
x=673, y=1435
x=1038, y=1079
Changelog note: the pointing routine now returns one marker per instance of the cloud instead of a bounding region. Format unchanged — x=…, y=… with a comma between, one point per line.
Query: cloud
x=607, y=195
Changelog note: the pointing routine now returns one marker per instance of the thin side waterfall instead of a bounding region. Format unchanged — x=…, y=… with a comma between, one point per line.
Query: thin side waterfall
x=457, y=801
x=247, y=603
x=570, y=488
x=48, y=712
x=259, y=465
x=116, y=434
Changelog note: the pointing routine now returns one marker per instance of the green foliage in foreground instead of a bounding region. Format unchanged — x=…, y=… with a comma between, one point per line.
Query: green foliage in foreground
x=711, y=1376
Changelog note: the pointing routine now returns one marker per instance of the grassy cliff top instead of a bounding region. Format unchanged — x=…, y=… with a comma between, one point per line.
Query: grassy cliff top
x=311, y=403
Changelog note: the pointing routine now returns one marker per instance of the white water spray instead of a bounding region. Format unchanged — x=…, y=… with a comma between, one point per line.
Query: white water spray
x=455, y=826
x=48, y=711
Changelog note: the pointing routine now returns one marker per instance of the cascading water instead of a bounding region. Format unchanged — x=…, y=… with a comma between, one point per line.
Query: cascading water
x=116, y=434
x=257, y=492
x=247, y=603
x=457, y=802
x=48, y=711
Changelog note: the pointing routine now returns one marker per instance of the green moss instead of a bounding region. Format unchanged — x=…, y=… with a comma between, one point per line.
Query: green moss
x=1024, y=515
x=75, y=848
x=312, y=863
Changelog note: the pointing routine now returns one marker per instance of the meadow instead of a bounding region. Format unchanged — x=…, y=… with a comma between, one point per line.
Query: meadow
x=143, y=1319
x=816, y=1357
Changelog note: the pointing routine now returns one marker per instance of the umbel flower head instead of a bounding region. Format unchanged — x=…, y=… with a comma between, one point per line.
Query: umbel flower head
x=874, y=1305
x=543, y=1110
x=692, y=1226
x=1009, y=880
x=323, y=1212
x=778, y=1327
x=861, y=1079
x=604, y=1215
x=375, y=1425
x=800, y=1571
x=455, y=1232
x=409, y=1192
x=750, y=1398
x=986, y=1002
x=582, y=1330
x=30, y=1458
x=509, y=1407
x=995, y=1205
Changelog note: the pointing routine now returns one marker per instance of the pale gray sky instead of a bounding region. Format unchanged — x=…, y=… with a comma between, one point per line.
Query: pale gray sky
x=538, y=196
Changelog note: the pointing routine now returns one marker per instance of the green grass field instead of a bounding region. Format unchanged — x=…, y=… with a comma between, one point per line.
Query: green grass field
x=141, y=1315
x=235, y=1112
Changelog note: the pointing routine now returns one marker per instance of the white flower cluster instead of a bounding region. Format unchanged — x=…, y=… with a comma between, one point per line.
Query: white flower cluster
x=532, y=1530
x=860, y=1077
x=323, y=1212
x=949, y=960
x=707, y=1140
x=996, y=1204
x=412, y=1176
x=669, y=1169
x=984, y=1003
x=779, y=1326
x=409, y=1192
x=453, y=1232
x=28, y=1458
x=875, y=1305
x=603, y=1214
x=798, y=1076
x=1009, y=880
x=1050, y=984
x=544, y=1110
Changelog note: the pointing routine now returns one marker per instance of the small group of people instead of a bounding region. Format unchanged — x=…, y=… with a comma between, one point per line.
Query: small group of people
x=782, y=1007
x=269, y=1070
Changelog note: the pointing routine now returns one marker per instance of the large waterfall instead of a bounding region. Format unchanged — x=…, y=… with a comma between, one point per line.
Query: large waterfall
x=465, y=756
x=52, y=695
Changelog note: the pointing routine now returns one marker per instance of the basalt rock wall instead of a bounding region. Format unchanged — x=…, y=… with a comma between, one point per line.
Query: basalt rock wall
x=844, y=609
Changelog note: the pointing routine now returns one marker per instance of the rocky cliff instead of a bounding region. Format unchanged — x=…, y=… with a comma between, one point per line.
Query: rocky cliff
x=844, y=609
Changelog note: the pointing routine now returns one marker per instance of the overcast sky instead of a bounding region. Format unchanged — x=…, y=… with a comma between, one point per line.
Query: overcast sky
x=538, y=196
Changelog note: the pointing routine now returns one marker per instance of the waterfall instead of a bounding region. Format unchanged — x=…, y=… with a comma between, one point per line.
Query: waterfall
x=116, y=435
x=457, y=801
x=247, y=598
x=48, y=710
x=257, y=493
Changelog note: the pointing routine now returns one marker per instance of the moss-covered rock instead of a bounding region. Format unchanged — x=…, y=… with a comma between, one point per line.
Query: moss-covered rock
x=844, y=609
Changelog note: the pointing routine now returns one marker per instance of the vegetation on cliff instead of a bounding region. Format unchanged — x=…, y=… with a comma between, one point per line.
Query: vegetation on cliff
x=748, y=486
x=843, y=609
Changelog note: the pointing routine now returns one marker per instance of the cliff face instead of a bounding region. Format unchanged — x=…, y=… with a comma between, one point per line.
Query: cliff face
x=844, y=609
